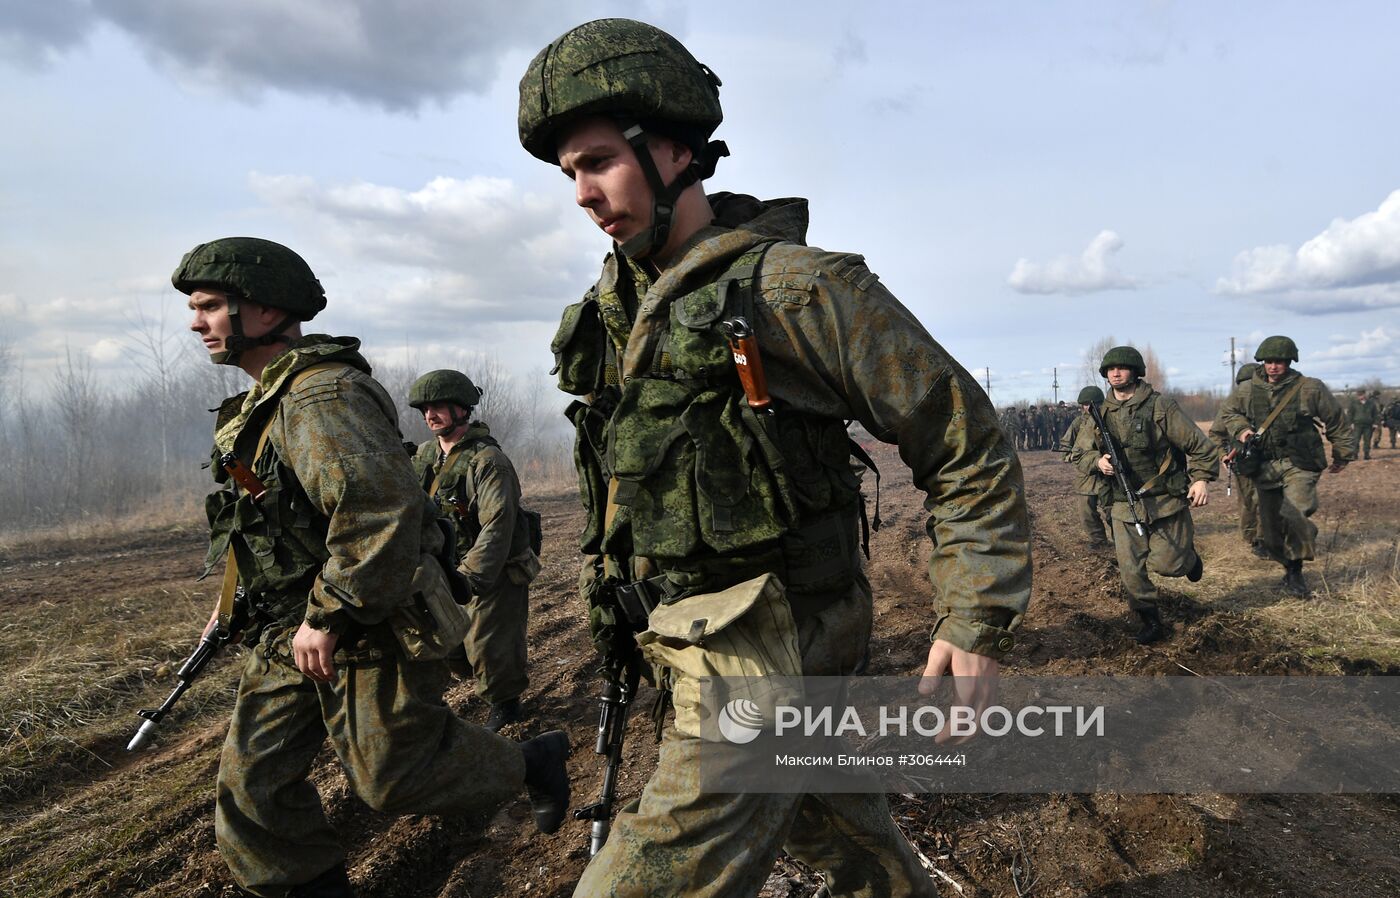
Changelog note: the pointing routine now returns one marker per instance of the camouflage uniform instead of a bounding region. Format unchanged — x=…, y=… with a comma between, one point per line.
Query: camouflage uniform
x=333, y=542
x=1391, y=417
x=1294, y=457
x=478, y=487
x=1150, y=429
x=814, y=311
x=1249, y=497
x=1093, y=496
x=1364, y=414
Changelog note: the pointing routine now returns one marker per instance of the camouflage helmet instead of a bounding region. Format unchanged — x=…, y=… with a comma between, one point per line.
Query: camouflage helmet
x=1277, y=347
x=254, y=269
x=444, y=385
x=1123, y=357
x=612, y=67
x=1246, y=372
x=1090, y=396
x=648, y=83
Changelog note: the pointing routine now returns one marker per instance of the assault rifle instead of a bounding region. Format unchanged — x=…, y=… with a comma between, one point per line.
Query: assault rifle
x=232, y=612
x=619, y=688
x=748, y=362
x=1119, y=471
x=208, y=647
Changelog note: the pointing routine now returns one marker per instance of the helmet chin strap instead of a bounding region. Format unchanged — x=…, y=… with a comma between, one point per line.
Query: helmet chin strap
x=664, y=196
x=236, y=343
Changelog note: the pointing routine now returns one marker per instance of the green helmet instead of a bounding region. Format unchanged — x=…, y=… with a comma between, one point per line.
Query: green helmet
x=444, y=385
x=250, y=268
x=1277, y=347
x=1246, y=372
x=1123, y=357
x=643, y=78
x=1090, y=396
x=255, y=269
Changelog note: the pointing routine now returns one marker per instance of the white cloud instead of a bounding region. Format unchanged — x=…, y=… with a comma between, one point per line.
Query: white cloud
x=1381, y=343
x=1356, y=253
x=477, y=249
x=108, y=349
x=1090, y=272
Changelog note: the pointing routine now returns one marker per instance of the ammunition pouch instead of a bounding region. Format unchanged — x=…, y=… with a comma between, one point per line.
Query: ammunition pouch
x=432, y=624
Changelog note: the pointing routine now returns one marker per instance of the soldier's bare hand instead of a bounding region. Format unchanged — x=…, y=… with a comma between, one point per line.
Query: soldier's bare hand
x=1245, y=434
x=1106, y=465
x=314, y=652
x=974, y=679
x=1198, y=493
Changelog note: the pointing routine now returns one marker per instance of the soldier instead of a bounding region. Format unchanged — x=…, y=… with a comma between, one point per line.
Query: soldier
x=464, y=469
x=627, y=113
x=1363, y=412
x=1094, y=497
x=1169, y=464
x=1011, y=425
x=335, y=550
x=1391, y=416
x=1249, y=499
x=1279, y=406
x=1027, y=433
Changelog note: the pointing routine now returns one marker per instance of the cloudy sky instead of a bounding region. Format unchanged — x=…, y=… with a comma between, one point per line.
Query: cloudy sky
x=1027, y=177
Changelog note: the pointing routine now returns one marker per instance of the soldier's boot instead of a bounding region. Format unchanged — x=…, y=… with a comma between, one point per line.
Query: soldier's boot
x=1197, y=569
x=1152, y=629
x=1257, y=547
x=547, y=778
x=333, y=883
x=503, y=713
x=1293, y=581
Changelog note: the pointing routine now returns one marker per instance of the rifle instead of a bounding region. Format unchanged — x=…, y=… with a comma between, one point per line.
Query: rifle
x=232, y=611
x=744, y=345
x=208, y=647
x=619, y=688
x=1119, y=471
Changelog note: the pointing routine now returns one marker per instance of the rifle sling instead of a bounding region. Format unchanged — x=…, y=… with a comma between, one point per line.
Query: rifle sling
x=1278, y=409
x=228, y=590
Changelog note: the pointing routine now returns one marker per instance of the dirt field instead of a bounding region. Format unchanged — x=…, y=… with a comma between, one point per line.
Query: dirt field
x=91, y=630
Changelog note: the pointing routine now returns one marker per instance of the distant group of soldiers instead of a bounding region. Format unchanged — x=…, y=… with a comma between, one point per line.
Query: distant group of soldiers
x=1144, y=465
x=1035, y=427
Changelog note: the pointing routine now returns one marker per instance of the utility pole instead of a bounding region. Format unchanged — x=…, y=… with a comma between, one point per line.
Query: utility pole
x=1233, y=358
x=987, y=376
x=1055, y=384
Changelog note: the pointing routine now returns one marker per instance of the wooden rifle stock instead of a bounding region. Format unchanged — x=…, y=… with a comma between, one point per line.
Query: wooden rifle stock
x=749, y=362
x=242, y=475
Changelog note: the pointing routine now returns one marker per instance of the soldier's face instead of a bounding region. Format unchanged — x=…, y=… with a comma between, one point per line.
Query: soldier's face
x=1274, y=368
x=1119, y=378
x=608, y=181
x=211, y=320
x=442, y=417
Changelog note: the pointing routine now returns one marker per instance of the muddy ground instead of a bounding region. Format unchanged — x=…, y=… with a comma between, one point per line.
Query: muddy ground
x=99, y=821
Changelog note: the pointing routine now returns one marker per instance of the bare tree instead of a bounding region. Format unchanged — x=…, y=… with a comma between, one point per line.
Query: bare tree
x=1156, y=371
x=1093, y=356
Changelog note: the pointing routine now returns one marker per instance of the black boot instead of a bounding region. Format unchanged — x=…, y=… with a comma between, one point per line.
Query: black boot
x=547, y=778
x=1152, y=629
x=1259, y=551
x=1197, y=569
x=333, y=883
x=1293, y=582
x=503, y=713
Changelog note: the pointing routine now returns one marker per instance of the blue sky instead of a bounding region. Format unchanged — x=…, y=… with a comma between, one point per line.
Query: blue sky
x=1027, y=177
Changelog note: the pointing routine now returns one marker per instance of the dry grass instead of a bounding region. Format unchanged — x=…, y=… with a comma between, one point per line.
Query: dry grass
x=170, y=509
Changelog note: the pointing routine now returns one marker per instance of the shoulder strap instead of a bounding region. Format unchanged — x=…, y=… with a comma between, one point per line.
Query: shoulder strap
x=1283, y=404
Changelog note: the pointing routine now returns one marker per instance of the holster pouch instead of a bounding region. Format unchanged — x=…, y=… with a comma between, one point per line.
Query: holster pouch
x=431, y=625
x=744, y=635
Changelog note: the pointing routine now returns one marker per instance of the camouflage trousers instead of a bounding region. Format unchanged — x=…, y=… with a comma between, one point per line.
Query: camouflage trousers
x=679, y=840
x=1365, y=433
x=1249, y=510
x=402, y=750
x=1167, y=550
x=495, y=643
x=1092, y=517
x=1287, y=500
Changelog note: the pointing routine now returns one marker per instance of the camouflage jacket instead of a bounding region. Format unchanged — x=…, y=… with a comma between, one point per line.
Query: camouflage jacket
x=340, y=532
x=1363, y=412
x=1391, y=415
x=837, y=345
x=1164, y=449
x=1089, y=483
x=1294, y=433
x=478, y=487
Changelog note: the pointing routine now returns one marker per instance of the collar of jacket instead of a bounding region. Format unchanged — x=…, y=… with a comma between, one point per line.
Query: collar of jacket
x=1140, y=394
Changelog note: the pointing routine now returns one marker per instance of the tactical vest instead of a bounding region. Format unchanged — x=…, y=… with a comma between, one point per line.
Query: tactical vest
x=456, y=494
x=1145, y=450
x=1292, y=436
x=278, y=541
x=674, y=466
